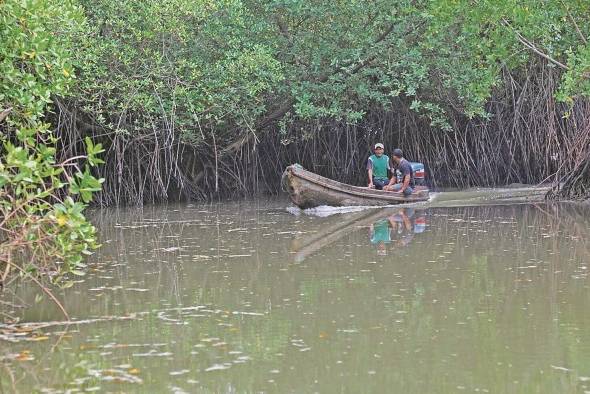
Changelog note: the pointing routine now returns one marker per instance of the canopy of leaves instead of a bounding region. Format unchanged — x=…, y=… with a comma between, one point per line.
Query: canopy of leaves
x=222, y=64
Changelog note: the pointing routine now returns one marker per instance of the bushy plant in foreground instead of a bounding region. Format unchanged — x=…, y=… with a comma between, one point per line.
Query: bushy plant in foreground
x=43, y=231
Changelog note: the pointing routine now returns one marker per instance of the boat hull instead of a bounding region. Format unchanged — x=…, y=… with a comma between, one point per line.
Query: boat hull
x=308, y=190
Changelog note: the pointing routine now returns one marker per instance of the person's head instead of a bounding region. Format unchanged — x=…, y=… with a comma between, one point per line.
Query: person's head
x=397, y=155
x=378, y=149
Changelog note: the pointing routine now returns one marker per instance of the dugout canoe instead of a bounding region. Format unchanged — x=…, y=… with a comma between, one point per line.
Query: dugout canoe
x=308, y=190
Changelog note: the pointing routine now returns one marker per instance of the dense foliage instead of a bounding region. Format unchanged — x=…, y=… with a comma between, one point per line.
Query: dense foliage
x=230, y=63
x=177, y=90
x=42, y=231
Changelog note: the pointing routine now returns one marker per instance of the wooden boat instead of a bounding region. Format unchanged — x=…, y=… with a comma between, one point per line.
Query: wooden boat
x=308, y=190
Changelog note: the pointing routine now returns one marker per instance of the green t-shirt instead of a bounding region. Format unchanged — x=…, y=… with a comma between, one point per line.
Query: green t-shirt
x=380, y=165
x=381, y=232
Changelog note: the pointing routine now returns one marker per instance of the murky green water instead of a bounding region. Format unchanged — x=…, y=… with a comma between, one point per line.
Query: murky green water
x=248, y=297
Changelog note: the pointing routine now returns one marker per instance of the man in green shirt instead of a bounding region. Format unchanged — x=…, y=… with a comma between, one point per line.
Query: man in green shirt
x=377, y=167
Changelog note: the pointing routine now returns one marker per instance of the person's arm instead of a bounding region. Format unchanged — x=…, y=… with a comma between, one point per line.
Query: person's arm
x=392, y=223
x=392, y=228
x=406, y=183
x=391, y=169
x=392, y=180
x=407, y=222
x=370, y=172
x=406, y=171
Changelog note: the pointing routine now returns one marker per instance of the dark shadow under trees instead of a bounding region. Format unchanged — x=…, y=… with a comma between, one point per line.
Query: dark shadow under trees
x=528, y=138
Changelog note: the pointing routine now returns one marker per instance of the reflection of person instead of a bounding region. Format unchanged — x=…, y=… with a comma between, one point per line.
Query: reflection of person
x=381, y=234
x=377, y=166
x=404, y=227
x=400, y=227
x=407, y=176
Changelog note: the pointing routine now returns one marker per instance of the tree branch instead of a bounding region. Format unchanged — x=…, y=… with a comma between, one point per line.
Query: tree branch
x=532, y=46
x=576, y=25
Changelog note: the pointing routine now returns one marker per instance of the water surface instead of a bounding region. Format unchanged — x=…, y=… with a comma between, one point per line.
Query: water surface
x=250, y=297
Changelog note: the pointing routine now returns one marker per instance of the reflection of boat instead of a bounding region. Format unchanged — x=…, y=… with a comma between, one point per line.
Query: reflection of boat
x=308, y=190
x=305, y=246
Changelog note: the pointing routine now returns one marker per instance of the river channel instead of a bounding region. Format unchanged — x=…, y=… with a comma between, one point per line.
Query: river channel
x=250, y=296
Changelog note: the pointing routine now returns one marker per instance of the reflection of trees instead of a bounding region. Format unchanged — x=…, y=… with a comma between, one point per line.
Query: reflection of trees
x=484, y=287
x=487, y=289
x=180, y=251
